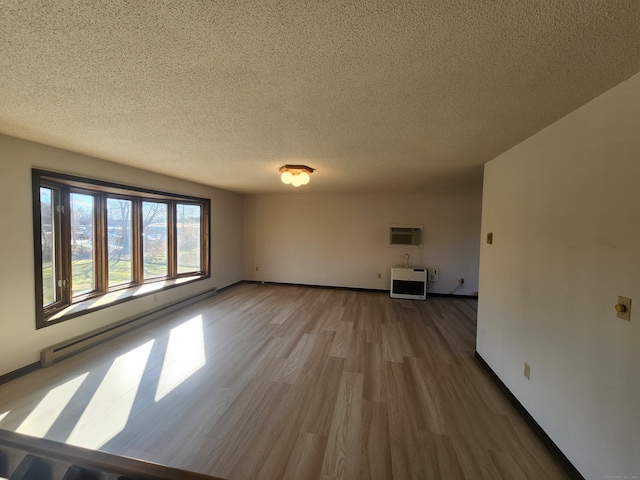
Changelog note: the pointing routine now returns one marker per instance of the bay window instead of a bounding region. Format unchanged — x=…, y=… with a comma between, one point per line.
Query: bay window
x=94, y=238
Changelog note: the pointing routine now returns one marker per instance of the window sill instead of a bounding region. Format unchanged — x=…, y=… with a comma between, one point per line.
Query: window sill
x=119, y=296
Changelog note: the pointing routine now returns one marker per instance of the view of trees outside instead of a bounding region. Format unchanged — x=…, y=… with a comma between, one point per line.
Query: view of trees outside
x=119, y=241
x=188, y=233
x=46, y=227
x=82, y=233
x=154, y=240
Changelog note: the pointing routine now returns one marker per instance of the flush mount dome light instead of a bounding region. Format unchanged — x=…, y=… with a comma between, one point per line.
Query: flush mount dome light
x=295, y=175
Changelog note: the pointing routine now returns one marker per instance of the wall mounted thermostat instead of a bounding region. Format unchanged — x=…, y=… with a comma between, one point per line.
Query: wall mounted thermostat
x=433, y=274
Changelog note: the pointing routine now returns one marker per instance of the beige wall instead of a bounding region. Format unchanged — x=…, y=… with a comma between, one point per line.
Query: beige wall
x=339, y=240
x=564, y=209
x=20, y=343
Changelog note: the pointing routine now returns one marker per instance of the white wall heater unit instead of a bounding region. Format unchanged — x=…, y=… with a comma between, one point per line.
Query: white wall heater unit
x=409, y=283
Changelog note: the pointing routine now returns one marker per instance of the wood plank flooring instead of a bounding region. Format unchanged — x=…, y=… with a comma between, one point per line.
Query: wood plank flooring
x=290, y=382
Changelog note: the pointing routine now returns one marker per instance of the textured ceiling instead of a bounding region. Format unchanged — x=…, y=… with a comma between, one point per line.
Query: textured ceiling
x=378, y=96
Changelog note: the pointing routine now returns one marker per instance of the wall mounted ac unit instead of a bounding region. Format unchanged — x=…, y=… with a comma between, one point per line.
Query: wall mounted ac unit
x=404, y=235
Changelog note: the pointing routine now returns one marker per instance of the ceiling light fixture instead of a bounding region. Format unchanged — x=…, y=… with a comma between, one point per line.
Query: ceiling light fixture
x=295, y=175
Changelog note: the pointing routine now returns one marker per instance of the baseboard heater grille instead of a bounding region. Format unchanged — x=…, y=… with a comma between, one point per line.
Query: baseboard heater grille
x=74, y=345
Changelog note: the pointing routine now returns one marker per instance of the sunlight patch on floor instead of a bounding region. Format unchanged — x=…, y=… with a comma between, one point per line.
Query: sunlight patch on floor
x=184, y=356
x=108, y=410
x=42, y=418
x=2, y=415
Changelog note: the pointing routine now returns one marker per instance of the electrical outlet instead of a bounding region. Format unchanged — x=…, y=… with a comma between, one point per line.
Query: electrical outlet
x=257, y=269
x=489, y=238
x=527, y=370
x=379, y=275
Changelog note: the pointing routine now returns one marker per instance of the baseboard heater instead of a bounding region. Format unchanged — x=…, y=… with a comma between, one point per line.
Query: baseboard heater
x=74, y=345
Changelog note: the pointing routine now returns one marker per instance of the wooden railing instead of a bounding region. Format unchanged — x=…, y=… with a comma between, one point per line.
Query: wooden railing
x=29, y=458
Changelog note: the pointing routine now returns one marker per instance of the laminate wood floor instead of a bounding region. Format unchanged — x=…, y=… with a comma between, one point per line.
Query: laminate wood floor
x=290, y=382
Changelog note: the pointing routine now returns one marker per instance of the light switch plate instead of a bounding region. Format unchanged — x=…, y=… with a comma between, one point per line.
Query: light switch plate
x=626, y=315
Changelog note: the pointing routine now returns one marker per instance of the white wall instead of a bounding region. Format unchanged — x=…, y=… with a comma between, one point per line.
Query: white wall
x=564, y=209
x=339, y=240
x=20, y=343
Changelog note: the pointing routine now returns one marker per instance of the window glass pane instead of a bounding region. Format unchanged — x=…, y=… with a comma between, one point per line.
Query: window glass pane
x=154, y=239
x=188, y=241
x=82, y=233
x=119, y=241
x=48, y=246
